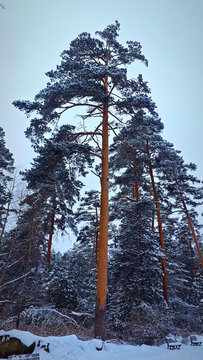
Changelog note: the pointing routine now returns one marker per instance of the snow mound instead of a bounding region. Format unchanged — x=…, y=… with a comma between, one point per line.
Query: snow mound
x=71, y=348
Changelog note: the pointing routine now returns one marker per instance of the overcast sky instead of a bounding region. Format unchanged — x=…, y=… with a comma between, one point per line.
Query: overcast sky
x=33, y=33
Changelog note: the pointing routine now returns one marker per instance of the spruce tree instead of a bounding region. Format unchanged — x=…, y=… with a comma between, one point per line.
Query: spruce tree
x=88, y=214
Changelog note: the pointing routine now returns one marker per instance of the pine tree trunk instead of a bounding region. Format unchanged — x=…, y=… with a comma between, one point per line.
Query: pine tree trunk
x=100, y=311
x=163, y=261
x=192, y=230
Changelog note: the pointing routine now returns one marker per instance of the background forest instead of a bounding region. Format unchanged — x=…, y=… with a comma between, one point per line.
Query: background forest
x=154, y=238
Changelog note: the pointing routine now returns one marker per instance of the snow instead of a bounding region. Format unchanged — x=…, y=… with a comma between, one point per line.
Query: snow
x=70, y=348
x=81, y=314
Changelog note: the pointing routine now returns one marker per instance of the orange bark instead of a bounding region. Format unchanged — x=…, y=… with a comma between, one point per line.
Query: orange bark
x=137, y=195
x=100, y=311
x=192, y=230
x=163, y=261
x=153, y=220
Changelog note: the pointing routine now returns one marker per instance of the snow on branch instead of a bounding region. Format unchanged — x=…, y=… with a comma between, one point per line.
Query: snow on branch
x=17, y=279
x=62, y=315
x=16, y=261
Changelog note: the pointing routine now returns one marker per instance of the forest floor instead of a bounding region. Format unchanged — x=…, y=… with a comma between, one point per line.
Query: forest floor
x=71, y=348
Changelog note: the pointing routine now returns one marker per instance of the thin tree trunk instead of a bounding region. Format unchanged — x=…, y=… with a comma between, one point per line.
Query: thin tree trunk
x=8, y=207
x=192, y=230
x=100, y=310
x=193, y=262
x=11, y=249
x=97, y=237
x=6, y=218
x=115, y=281
x=180, y=286
x=153, y=220
x=137, y=195
x=50, y=238
x=163, y=261
x=95, y=242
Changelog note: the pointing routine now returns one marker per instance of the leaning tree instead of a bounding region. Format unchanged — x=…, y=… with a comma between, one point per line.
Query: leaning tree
x=93, y=77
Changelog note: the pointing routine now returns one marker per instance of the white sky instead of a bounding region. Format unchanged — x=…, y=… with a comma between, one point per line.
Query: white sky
x=33, y=33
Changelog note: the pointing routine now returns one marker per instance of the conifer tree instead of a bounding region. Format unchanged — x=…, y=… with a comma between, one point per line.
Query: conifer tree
x=54, y=179
x=93, y=75
x=181, y=186
x=89, y=213
x=135, y=147
x=138, y=148
x=24, y=245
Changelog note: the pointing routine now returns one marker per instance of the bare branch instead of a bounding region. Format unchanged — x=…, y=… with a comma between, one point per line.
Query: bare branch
x=124, y=142
x=97, y=155
x=115, y=117
x=113, y=87
x=17, y=279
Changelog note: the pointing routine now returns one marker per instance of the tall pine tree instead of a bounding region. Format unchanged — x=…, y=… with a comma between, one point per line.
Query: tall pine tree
x=93, y=75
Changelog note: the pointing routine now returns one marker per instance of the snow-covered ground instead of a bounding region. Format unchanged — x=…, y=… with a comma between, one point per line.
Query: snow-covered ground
x=70, y=348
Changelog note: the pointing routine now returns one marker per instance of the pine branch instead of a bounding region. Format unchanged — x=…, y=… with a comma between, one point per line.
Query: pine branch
x=97, y=155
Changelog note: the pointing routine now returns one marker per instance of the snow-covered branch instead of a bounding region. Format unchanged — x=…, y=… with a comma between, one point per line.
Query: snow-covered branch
x=17, y=279
x=62, y=315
